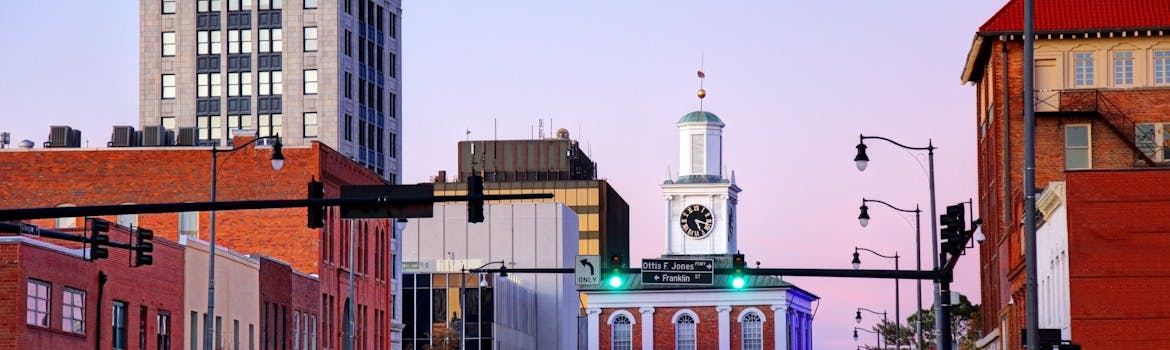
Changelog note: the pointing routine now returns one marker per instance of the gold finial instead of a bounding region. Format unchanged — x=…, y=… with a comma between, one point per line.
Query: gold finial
x=702, y=93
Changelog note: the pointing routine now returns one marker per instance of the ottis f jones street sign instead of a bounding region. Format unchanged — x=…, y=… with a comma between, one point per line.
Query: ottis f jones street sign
x=678, y=271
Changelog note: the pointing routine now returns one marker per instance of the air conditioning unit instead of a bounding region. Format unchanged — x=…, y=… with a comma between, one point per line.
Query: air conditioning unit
x=168, y=137
x=186, y=137
x=123, y=136
x=59, y=136
x=152, y=136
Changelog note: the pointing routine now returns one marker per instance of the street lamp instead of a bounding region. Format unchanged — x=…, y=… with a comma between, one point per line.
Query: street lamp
x=876, y=334
x=277, y=163
x=463, y=294
x=862, y=160
x=918, y=252
x=897, y=292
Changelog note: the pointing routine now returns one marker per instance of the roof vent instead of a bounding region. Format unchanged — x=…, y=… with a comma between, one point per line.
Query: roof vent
x=26, y=144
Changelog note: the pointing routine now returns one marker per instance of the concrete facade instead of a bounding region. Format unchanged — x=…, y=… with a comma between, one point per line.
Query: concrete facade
x=237, y=293
x=528, y=235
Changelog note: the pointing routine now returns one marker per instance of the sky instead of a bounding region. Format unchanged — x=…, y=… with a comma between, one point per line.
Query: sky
x=796, y=82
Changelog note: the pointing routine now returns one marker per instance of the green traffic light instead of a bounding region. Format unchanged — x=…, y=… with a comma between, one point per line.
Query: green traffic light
x=738, y=282
x=615, y=281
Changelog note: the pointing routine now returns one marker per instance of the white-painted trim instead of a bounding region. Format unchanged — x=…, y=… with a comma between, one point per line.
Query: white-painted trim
x=743, y=313
x=674, y=319
x=615, y=314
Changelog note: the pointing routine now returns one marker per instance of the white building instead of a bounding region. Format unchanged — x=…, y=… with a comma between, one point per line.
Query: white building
x=237, y=296
x=524, y=235
x=1052, y=255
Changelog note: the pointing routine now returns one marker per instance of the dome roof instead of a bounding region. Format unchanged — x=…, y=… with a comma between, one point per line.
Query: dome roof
x=700, y=117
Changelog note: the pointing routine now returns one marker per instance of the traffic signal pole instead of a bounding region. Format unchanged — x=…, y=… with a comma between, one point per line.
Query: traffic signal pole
x=7, y=227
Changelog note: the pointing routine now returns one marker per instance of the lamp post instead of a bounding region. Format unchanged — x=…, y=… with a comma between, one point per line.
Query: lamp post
x=463, y=296
x=858, y=319
x=897, y=293
x=862, y=160
x=863, y=218
x=277, y=163
x=875, y=333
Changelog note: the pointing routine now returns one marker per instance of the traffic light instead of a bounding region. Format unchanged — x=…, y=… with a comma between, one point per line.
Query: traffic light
x=953, y=231
x=143, y=247
x=98, y=238
x=738, y=275
x=475, y=203
x=316, y=212
x=614, y=278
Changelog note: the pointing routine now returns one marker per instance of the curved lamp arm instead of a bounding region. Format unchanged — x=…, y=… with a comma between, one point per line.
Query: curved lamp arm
x=929, y=144
x=277, y=155
x=891, y=206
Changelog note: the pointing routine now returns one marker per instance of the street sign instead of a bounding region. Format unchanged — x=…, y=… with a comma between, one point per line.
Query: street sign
x=587, y=269
x=678, y=271
x=379, y=211
x=30, y=229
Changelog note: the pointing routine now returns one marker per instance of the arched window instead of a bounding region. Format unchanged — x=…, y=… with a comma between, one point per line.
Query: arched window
x=622, y=337
x=66, y=222
x=753, y=331
x=128, y=220
x=684, y=332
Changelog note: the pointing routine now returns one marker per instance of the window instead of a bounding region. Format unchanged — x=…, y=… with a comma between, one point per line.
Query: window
x=236, y=333
x=348, y=43
x=73, y=311
x=270, y=40
x=194, y=332
x=313, y=333
x=270, y=83
x=208, y=85
x=239, y=122
x=210, y=128
x=270, y=4
x=168, y=44
x=393, y=25
x=142, y=327
x=128, y=220
x=349, y=6
x=209, y=5
x=163, y=330
x=310, y=124
x=239, y=5
x=209, y=42
x=348, y=127
x=684, y=333
x=753, y=331
x=168, y=86
x=296, y=329
x=393, y=65
x=1084, y=68
x=70, y=222
x=348, y=85
x=1161, y=67
x=240, y=84
x=269, y=124
x=189, y=223
x=219, y=332
x=1123, y=68
x=310, y=4
x=1077, y=149
x=310, y=82
x=168, y=7
x=1152, y=140
x=118, y=338
x=310, y=39
x=240, y=41
x=622, y=336
x=38, y=303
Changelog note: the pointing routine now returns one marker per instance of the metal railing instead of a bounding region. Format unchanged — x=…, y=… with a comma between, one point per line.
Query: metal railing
x=1097, y=102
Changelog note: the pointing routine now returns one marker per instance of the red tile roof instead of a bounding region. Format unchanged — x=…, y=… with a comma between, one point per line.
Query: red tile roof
x=1082, y=15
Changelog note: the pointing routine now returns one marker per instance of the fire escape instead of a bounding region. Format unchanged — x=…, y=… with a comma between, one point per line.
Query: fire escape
x=1096, y=102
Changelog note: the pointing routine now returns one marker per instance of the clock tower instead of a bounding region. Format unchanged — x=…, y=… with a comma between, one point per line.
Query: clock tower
x=700, y=203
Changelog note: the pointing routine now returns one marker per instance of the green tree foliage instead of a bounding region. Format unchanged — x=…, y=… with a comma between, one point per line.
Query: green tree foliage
x=965, y=322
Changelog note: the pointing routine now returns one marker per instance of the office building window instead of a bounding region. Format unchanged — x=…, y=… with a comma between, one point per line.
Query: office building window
x=271, y=83
x=118, y=335
x=270, y=124
x=348, y=85
x=163, y=330
x=240, y=41
x=208, y=84
x=271, y=4
x=310, y=82
x=219, y=332
x=1084, y=68
x=393, y=25
x=362, y=133
x=753, y=331
x=37, y=313
x=393, y=65
x=168, y=44
x=349, y=6
x=1077, y=147
x=684, y=333
x=167, y=123
x=189, y=223
x=168, y=7
x=310, y=39
x=210, y=128
x=168, y=86
x=1123, y=68
x=348, y=43
x=209, y=42
x=348, y=127
x=193, y=333
x=622, y=338
x=310, y=4
x=73, y=311
x=271, y=40
x=296, y=330
x=310, y=124
x=1162, y=67
x=208, y=5
x=239, y=122
x=240, y=84
x=239, y=5
x=236, y=334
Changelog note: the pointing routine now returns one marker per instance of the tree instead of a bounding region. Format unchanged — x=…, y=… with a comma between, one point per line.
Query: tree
x=965, y=322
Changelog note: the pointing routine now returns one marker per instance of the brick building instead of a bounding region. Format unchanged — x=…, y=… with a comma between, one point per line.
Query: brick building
x=1101, y=111
x=53, y=177
x=54, y=298
x=295, y=295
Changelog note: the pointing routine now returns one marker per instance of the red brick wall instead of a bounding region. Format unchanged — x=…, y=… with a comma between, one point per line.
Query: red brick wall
x=769, y=326
x=158, y=287
x=606, y=335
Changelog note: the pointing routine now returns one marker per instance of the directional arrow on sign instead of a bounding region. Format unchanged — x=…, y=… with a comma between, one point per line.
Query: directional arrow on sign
x=586, y=263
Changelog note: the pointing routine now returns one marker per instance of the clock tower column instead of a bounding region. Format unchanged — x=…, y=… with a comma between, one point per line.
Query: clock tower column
x=700, y=203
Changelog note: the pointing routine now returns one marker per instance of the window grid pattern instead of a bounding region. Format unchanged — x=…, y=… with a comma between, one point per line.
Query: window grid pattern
x=240, y=41
x=118, y=339
x=753, y=332
x=73, y=311
x=1161, y=67
x=622, y=333
x=209, y=84
x=271, y=40
x=271, y=83
x=684, y=333
x=240, y=84
x=168, y=7
x=168, y=44
x=1123, y=68
x=1152, y=140
x=163, y=330
x=310, y=124
x=1084, y=68
x=168, y=86
x=310, y=82
x=209, y=42
x=310, y=39
x=1077, y=147
x=37, y=304
x=270, y=124
x=210, y=127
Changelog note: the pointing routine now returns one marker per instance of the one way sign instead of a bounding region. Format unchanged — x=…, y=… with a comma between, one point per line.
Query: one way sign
x=588, y=270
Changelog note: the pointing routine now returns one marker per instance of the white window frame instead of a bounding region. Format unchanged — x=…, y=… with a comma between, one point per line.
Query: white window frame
x=37, y=293
x=73, y=310
x=751, y=330
x=1083, y=68
x=1123, y=68
x=310, y=82
x=1161, y=59
x=685, y=333
x=621, y=334
x=1088, y=145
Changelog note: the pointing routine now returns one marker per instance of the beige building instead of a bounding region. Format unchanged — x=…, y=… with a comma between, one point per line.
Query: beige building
x=237, y=297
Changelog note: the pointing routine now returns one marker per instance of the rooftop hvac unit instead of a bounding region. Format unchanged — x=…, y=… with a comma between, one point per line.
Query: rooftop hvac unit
x=186, y=137
x=123, y=136
x=75, y=139
x=168, y=137
x=152, y=136
x=63, y=136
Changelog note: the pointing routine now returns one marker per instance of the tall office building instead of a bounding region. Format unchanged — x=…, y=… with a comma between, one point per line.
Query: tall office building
x=324, y=70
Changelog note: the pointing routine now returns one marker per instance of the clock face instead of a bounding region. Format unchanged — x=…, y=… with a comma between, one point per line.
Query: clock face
x=697, y=221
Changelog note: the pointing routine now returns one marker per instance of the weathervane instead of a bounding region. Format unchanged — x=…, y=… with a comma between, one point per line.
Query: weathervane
x=702, y=93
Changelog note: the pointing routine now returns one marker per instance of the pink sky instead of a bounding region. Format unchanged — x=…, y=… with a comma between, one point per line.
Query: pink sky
x=796, y=82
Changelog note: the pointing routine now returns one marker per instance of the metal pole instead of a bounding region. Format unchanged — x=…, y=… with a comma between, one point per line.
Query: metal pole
x=918, y=266
x=945, y=318
x=938, y=325
x=897, y=309
x=208, y=328
x=349, y=305
x=462, y=307
x=1032, y=304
